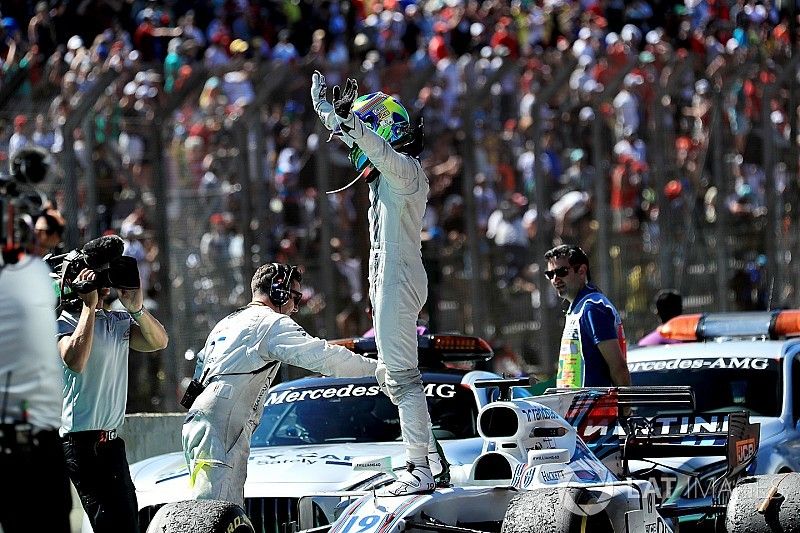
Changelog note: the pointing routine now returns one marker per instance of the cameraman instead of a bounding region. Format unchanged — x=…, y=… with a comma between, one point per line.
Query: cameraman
x=31, y=459
x=94, y=344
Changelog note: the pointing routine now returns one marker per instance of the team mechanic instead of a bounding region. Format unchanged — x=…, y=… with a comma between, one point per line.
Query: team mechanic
x=235, y=369
x=384, y=150
x=94, y=344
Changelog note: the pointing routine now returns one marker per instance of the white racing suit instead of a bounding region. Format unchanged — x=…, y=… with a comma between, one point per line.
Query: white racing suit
x=238, y=363
x=398, y=285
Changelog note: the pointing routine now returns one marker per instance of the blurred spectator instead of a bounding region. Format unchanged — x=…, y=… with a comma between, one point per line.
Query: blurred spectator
x=626, y=107
x=668, y=304
x=485, y=201
x=506, y=362
x=42, y=31
x=505, y=229
x=48, y=232
x=284, y=51
x=149, y=34
x=107, y=188
x=750, y=286
x=41, y=136
x=236, y=84
x=190, y=31
x=132, y=237
x=215, y=243
x=137, y=218
x=19, y=139
x=567, y=211
x=215, y=54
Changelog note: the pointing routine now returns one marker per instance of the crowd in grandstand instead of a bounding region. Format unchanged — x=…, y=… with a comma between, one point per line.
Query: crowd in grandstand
x=645, y=65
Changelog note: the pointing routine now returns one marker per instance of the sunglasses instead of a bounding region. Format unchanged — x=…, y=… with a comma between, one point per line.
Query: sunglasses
x=561, y=272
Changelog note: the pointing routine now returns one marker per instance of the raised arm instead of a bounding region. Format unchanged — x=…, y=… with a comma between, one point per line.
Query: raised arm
x=147, y=334
x=75, y=348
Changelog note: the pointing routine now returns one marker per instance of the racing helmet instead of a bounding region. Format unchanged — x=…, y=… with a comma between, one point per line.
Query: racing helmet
x=384, y=115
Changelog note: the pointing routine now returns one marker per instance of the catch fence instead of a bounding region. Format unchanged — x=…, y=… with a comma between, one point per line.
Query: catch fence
x=208, y=188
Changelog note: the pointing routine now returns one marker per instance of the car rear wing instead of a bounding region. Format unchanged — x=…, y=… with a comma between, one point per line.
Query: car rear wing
x=676, y=431
x=606, y=419
x=664, y=397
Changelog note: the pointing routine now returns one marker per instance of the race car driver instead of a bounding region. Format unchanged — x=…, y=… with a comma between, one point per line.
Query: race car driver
x=235, y=369
x=383, y=149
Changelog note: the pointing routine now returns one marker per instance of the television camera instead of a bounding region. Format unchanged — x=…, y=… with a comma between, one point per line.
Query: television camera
x=19, y=199
x=104, y=256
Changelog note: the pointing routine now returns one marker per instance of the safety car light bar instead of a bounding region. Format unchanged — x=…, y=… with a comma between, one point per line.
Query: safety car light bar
x=697, y=327
x=450, y=347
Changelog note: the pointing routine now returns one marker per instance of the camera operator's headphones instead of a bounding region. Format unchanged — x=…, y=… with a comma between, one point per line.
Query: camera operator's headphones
x=280, y=284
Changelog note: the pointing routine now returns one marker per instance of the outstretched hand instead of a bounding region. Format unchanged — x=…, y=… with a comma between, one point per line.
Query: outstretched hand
x=343, y=99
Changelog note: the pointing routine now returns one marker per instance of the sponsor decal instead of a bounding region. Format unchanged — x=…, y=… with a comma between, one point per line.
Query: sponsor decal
x=310, y=458
x=539, y=413
x=528, y=477
x=745, y=449
x=663, y=425
x=553, y=476
x=380, y=464
x=725, y=363
x=440, y=390
x=434, y=390
x=237, y=522
x=552, y=458
x=592, y=499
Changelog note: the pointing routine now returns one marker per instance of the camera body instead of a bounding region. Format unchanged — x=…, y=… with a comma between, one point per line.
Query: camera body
x=119, y=273
x=104, y=257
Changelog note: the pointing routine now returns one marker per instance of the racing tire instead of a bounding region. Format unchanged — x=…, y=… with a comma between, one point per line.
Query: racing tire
x=200, y=516
x=542, y=511
x=782, y=514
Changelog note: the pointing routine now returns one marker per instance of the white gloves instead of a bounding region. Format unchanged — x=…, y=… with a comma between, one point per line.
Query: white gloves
x=323, y=108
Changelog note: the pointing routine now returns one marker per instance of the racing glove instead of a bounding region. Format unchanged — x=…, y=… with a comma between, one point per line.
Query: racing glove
x=343, y=99
x=319, y=99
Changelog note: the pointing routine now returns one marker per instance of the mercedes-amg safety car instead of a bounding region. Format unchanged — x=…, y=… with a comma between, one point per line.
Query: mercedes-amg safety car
x=313, y=428
x=746, y=361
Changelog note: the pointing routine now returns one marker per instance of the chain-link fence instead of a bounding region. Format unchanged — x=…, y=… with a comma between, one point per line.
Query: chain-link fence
x=669, y=173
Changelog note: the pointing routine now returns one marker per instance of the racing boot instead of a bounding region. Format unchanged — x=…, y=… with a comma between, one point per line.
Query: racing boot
x=415, y=479
x=439, y=466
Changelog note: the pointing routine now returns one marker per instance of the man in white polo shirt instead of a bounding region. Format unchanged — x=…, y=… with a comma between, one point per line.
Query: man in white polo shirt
x=94, y=346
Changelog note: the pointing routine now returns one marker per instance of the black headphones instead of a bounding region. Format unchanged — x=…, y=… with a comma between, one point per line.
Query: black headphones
x=281, y=283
